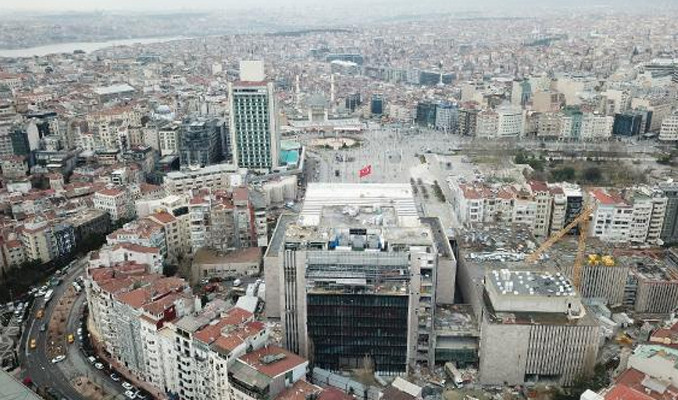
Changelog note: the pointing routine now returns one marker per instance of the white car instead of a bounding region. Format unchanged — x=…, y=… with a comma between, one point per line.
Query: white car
x=127, y=385
x=130, y=394
x=92, y=359
x=58, y=359
x=99, y=366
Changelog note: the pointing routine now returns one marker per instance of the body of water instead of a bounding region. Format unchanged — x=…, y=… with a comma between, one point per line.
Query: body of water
x=84, y=46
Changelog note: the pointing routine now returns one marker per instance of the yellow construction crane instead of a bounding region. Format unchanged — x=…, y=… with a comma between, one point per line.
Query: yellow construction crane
x=583, y=221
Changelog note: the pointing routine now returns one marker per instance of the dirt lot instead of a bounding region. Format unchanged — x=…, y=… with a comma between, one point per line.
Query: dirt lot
x=89, y=389
x=56, y=331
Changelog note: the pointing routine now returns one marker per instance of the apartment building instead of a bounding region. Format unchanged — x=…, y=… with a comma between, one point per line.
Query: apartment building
x=670, y=226
x=214, y=177
x=531, y=204
x=635, y=218
x=116, y=202
x=111, y=255
x=669, y=129
x=178, y=245
x=156, y=332
x=37, y=241
x=142, y=232
x=596, y=127
x=168, y=138
x=120, y=297
x=221, y=220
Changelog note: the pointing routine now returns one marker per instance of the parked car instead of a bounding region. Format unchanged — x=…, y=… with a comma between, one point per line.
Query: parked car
x=130, y=394
x=115, y=377
x=33, y=344
x=127, y=385
x=99, y=366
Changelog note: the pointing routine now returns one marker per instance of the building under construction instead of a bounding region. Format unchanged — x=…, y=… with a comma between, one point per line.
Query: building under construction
x=532, y=324
x=643, y=281
x=534, y=328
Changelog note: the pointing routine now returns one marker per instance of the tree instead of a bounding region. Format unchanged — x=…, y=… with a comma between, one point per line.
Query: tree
x=563, y=174
x=592, y=175
x=665, y=159
x=169, y=269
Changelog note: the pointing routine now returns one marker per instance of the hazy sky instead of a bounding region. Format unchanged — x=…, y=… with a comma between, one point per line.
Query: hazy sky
x=170, y=5
x=146, y=5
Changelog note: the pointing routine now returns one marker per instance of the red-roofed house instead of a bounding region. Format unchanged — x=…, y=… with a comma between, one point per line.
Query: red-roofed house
x=265, y=373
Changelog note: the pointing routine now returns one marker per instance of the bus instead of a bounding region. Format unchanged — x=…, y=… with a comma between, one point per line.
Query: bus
x=454, y=374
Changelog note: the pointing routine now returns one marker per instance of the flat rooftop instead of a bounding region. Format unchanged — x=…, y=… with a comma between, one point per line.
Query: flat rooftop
x=649, y=268
x=210, y=169
x=398, y=197
x=496, y=243
x=275, y=244
x=114, y=89
x=455, y=320
x=531, y=283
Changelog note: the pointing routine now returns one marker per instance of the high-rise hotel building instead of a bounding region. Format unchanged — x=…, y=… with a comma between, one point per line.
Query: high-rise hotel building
x=254, y=136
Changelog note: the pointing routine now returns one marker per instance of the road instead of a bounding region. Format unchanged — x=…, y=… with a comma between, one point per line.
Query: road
x=37, y=363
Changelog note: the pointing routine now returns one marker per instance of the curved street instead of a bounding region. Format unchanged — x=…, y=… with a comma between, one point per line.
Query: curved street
x=37, y=363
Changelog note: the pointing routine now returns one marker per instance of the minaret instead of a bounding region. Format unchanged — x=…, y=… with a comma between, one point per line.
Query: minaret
x=440, y=67
x=297, y=91
x=332, y=90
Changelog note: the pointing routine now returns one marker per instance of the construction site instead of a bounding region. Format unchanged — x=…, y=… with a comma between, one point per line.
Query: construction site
x=534, y=303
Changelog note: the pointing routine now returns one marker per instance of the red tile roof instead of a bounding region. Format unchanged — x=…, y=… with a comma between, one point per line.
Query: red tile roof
x=607, y=198
x=136, y=248
x=334, y=394
x=110, y=192
x=538, y=186
x=254, y=359
x=299, y=391
x=135, y=298
x=629, y=386
x=159, y=306
x=164, y=217
x=211, y=333
x=240, y=194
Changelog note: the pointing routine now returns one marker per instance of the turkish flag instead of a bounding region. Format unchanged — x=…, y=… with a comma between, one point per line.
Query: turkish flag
x=366, y=171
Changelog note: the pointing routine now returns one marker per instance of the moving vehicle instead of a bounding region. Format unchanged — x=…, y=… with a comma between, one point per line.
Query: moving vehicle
x=33, y=344
x=454, y=373
x=71, y=339
x=40, y=313
x=58, y=359
x=48, y=295
x=43, y=327
x=237, y=282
